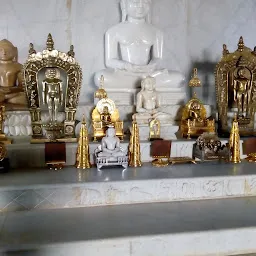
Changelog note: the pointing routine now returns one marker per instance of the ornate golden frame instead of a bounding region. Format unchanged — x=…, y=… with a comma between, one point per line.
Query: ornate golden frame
x=51, y=58
x=243, y=57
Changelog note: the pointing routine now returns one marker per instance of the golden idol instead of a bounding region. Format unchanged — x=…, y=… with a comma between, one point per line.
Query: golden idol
x=235, y=81
x=52, y=80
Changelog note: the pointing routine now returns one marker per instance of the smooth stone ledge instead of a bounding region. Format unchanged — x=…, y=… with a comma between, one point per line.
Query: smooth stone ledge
x=22, y=154
x=45, y=189
x=209, y=227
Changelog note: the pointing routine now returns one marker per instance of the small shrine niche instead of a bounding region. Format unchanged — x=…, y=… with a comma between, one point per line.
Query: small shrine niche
x=235, y=78
x=53, y=81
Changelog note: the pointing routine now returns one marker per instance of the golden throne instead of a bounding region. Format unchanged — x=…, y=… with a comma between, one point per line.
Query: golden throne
x=52, y=80
x=106, y=115
x=235, y=77
x=194, y=121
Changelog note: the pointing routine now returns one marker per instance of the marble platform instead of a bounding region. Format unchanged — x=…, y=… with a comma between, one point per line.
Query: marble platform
x=23, y=154
x=198, y=228
x=40, y=189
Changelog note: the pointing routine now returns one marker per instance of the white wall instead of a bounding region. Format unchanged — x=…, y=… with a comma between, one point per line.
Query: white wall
x=194, y=31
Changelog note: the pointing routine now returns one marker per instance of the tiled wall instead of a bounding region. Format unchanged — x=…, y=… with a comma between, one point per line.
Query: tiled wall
x=194, y=31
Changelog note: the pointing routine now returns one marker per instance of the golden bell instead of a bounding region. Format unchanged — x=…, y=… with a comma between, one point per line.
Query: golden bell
x=83, y=155
x=195, y=81
x=134, y=147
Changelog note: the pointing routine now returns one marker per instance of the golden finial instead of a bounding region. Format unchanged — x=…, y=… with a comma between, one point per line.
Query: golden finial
x=83, y=155
x=101, y=93
x=31, y=49
x=240, y=44
x=234, y=142
x=195, y=81
x=71, y=51
x=134, y=147
x=225, y=50
x=49, y=43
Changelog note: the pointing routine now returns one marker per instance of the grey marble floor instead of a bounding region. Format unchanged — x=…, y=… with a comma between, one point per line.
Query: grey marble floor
x=30, y=230
x=24, y=177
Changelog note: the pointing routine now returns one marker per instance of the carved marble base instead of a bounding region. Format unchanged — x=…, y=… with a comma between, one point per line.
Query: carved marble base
x=128, y=97
x=167, y=131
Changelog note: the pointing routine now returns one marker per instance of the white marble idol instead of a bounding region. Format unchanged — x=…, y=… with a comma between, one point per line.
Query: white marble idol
x=148, y=104
x=110, y=145
x=133, y=50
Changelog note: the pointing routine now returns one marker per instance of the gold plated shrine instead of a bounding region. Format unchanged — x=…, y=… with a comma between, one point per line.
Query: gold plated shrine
x=235, y=81
x=52, y=80
x=83, y=155
x=194, y=121
x=234, y=142
x=134, y=147
x=106, y=115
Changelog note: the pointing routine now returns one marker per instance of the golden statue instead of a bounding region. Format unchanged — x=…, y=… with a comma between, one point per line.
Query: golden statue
x=52, y=92
x=134, y=147
x=52, y=78
x=106, y=115
x=234, y=142
x=83, y=155
x=154, y=129
x=235, y=81
x=194, y=121
x=11, y=89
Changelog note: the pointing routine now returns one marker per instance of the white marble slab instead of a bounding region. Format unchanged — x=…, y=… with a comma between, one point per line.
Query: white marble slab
x=212, y=227
x=69, y=188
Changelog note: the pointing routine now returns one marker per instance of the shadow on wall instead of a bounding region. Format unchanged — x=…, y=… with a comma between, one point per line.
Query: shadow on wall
x=206, y=93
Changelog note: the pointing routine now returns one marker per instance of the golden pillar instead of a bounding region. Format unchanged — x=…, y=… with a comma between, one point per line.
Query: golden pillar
x=83, y=155
x=234, y=142
x=134, y=147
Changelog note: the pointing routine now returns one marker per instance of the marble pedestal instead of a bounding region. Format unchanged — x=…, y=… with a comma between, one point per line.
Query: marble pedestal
x=127, y=97
x=167, y=131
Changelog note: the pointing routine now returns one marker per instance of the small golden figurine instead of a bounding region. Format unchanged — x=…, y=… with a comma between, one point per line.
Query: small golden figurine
x=134, y=147
x=3, y=138
x=105, y=115
x=234, y=142
x=194, y=121
x=154, y=129
x=195, y=81
x=83, y=155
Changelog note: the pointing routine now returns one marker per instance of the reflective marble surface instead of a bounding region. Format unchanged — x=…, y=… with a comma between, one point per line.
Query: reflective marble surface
x=135, y=224
x=70, y=175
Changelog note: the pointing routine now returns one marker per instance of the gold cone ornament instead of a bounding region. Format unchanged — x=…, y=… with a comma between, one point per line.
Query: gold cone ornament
x=234, y=142
x=134, y=147
x=83, y=155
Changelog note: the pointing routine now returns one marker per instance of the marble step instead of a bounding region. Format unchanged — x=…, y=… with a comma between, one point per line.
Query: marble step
x=36, y=189
x=206, y=227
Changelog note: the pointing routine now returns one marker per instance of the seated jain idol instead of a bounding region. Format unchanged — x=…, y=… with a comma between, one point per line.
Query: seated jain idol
x=134, y=50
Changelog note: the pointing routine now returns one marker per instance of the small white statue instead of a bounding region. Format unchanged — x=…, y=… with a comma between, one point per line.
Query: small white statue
x=110, y=145
x=148, y=104
x=133, y=49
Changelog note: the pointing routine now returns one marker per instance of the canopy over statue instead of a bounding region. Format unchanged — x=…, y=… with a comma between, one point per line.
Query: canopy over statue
x=133, y=50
